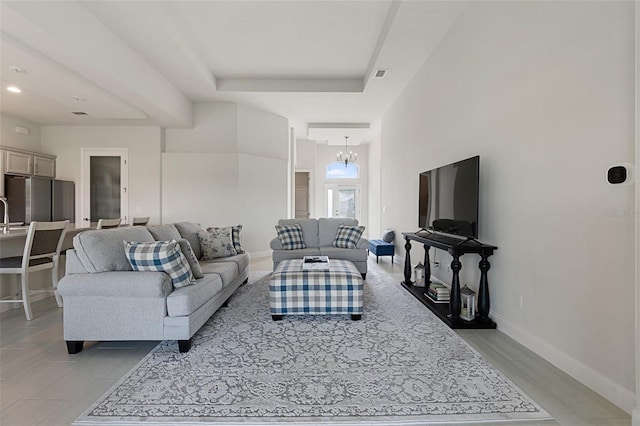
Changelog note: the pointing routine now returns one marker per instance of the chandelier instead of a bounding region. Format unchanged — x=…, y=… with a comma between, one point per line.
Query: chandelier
x=349, y=157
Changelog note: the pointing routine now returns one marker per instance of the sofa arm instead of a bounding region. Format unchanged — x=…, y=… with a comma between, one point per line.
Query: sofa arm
x=116, y=284
x=363, y=243
x=276, y=244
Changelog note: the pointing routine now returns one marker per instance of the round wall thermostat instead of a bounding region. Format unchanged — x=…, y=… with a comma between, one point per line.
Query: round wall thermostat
x=620, y=174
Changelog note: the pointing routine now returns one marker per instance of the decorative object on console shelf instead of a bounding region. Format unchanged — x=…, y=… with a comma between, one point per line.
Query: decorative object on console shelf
x=468, y=304
x=418, y=273
x=316, y=263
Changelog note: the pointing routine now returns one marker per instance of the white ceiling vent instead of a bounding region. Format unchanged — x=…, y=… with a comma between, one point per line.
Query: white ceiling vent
x=79, y=113
x=380, y=73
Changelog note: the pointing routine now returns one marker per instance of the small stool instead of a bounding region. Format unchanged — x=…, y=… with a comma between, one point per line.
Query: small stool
x=382, y=248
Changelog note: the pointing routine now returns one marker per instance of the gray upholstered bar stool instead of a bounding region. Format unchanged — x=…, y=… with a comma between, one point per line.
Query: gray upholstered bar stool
x=41, y=252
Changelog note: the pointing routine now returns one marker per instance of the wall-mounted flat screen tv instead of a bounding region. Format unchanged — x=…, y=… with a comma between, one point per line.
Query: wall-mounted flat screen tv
x=448, y=201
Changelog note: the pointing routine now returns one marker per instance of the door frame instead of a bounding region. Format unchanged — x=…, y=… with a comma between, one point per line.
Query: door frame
x=85, y=181
x=358, y=190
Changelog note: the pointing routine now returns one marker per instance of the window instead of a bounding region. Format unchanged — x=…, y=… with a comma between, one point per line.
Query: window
x=338, y=170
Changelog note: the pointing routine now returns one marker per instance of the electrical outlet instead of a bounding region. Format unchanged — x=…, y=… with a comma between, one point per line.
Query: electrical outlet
x=436, y=264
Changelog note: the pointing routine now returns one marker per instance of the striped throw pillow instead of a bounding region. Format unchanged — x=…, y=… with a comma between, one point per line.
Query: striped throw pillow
x=160, y=256
x=348, y=236
x=290, y=236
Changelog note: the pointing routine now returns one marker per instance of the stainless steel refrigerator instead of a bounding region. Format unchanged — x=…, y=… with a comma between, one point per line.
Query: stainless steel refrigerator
x=39, y=199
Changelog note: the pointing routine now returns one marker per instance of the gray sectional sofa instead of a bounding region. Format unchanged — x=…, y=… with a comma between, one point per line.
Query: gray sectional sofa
x=104, y=299
x=318, y=235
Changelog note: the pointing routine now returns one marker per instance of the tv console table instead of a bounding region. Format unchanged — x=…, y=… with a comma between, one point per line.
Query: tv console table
x=450, y=313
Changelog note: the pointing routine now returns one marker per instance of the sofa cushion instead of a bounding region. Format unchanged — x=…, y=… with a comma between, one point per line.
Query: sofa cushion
x=344, y=254
x=328, y=228
x=186, y=300
x=189, y=231
x=160, y=256
x=164, y=232
x=309, y=230
x=228, y=271
x=235, y=236
x=290, y=236
x=216, y=244
x=348, y=236
x=280, y=255
x=102, y=251
x=242, y=260
x=187, y=251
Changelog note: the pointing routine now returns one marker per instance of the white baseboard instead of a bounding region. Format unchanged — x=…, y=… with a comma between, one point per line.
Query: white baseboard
x=635, y=417
x=602, y=385
x=260, y=254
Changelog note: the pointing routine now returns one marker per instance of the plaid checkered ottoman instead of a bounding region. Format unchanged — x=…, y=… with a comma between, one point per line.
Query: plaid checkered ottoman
x=296, y=292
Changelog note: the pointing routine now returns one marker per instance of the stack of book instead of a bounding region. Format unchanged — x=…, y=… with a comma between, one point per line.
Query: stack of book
x=315, y=263
x=438, y=293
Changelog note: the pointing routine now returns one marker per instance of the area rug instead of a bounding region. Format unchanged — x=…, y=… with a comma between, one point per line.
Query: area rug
x=398, y=365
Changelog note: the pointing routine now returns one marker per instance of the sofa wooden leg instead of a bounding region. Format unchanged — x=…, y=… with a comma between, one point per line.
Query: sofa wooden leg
x=245, y=281
x=225, y=304
x=74, y=346
x=364, y=276
x=184, y=345
x=356, y=317
x=276, y=317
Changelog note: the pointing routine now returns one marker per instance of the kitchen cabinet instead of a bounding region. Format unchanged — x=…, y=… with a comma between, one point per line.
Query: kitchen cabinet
x=43, y=166
x=19, y=162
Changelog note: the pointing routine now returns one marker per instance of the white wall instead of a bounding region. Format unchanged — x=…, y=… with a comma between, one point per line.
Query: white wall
x=9, y=137
x=376, y=227
x=544, y=93
x=143, y=143
x=230, y=169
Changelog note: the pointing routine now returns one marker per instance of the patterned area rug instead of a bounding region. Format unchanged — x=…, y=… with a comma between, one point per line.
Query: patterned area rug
x=398, y=365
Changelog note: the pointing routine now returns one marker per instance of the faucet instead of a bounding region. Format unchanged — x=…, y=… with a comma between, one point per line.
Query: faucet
x=5, y=223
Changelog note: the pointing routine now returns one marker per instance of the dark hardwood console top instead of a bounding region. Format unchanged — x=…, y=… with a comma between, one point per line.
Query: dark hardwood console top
x=456, y=248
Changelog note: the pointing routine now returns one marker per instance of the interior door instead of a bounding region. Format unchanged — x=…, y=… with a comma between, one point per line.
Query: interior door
x=302, y=195
x=343, y=201
x=104, y=185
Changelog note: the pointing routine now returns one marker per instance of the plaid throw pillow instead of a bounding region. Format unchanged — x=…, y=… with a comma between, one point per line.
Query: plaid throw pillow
x=348, y=236
x=160, y=256
x=290, y=236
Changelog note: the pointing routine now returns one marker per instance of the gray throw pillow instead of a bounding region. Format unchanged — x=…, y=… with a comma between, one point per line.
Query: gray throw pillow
x=164, y=232
x=188, y=253
x=389, y=235
x=189, y=231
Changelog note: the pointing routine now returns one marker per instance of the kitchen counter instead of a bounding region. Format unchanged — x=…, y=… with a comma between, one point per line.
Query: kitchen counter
x=21, y=232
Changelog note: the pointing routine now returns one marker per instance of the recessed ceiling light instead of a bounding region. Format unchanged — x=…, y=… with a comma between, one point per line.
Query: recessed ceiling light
x=79, y=113
x=14, y=89
x=78, y=98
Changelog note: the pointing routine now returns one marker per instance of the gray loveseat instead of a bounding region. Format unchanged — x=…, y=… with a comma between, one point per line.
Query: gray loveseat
x=104, y=299
x=318, y=235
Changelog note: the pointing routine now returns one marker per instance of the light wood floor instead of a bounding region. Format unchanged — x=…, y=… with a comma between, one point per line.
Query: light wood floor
x=40, y=384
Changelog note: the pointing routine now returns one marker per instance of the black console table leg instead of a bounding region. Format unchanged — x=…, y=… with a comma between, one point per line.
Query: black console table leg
x=454, y=301
x=427, y=265
x=407, y=262
x=484, y=304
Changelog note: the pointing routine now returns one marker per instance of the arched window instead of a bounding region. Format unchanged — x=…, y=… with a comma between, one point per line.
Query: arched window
x=338, y=170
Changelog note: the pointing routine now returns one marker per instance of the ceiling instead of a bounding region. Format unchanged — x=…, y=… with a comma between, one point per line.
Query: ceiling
x=148, y=62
